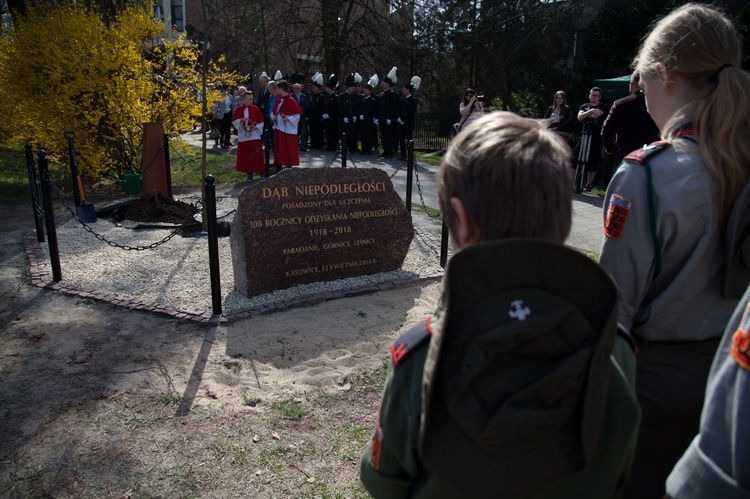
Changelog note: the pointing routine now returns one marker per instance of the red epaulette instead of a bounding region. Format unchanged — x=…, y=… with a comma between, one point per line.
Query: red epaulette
x=410, y=340
x=640, y=155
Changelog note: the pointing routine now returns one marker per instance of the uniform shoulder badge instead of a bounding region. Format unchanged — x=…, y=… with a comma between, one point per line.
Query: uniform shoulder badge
x=741, y=341
x=617, y=215
x=409, y=341
x=640, y=155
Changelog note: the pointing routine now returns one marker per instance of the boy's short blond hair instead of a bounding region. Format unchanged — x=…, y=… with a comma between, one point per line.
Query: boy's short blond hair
x=512, y=175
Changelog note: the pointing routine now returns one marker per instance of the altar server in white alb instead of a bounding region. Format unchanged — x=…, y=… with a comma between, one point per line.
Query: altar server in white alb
x=248, y=121
x=286, y=116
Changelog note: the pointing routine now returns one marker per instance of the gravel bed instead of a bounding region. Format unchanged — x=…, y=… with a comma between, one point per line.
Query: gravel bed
x=176, y=273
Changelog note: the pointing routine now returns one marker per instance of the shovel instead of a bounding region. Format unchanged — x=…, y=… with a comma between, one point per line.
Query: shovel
x=85, y=212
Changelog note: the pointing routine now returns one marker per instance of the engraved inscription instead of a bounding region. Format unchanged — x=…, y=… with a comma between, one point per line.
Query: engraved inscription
x=306, y=225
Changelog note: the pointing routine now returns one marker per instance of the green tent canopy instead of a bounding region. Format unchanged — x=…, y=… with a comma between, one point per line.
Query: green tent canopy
x=614, y=88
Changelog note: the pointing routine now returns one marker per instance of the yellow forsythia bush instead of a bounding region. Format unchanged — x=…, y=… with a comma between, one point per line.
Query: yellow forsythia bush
x=67, y=69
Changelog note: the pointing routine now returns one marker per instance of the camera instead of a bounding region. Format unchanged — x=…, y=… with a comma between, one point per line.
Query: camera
x=480, y=98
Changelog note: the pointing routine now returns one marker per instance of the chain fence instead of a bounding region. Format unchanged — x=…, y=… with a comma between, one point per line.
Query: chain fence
x=188, y=221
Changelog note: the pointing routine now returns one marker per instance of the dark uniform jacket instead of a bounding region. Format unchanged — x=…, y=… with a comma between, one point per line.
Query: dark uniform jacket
x=388, y=105
x=303, y=100
x=315, y=111
x=407, y=111
x=331, y=106
x=628, y=126
x=370, y=108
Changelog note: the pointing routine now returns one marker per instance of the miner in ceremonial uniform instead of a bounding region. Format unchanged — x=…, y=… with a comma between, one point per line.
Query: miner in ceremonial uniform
x=315, y=114
x=349, y=110
x=407, y=114
x=330, y=115
x=387, y=116
x=368, y=118
x=520, y=384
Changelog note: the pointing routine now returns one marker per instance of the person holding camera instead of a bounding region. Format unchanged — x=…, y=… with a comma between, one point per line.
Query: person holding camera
x=470, y=108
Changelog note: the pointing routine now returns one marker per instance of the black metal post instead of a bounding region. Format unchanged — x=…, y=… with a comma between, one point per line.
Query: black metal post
x=344, y=150
x=267, y=152
x=49, y=216
x=73, y=166
x=409, y=172
x=213, y=244
x=167, y=166
x=444, y=245
x=31, y=171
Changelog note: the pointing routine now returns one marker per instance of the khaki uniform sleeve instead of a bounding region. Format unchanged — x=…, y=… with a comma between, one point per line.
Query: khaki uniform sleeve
x=628, y=249
x=717, y=462
x=390, y=464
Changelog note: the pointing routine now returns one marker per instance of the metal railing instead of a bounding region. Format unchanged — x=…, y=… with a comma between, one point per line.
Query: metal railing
x=431, y=130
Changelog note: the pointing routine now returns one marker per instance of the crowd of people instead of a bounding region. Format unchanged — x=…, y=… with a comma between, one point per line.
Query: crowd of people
x=543, y=374
x=317, y=120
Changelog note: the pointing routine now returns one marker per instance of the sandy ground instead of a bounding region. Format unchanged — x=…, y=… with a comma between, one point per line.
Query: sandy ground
x=49, y=341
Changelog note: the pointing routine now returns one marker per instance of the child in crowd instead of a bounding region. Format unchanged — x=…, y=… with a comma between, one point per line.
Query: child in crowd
x=520, y=384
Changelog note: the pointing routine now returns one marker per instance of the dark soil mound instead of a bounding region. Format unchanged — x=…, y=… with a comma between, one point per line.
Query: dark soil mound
x=160, y=209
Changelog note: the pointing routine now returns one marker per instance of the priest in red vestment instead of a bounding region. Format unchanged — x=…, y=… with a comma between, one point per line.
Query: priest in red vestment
x=286, y=115
x=248, y=120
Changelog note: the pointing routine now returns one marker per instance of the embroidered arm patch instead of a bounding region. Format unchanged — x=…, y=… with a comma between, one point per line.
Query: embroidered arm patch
x=617, y=215
x=741, y=341
x=409, y=341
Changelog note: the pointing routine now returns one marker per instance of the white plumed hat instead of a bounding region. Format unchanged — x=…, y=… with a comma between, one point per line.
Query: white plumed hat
x=416, y=81
x=374, y=80
x=278, y=76
x=357, y=78
x=392, y=76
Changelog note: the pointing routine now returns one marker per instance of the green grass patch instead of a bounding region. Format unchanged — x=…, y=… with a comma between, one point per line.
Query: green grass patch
x=427, y=210
x=170, y=399
x=185, y=163
x=14, y=176
x=373, y=379
x=290, y=409
x=431, y=158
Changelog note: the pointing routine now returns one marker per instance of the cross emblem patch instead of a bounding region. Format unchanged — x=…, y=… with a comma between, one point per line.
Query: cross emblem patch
x=519, y=310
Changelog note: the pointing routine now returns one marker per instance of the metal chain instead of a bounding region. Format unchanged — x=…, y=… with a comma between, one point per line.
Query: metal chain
x=400, y=165
x=421, y=198
x=38, y=208
x=112, y=243
x=156, y=155
x=31, y=172
x=333, y=158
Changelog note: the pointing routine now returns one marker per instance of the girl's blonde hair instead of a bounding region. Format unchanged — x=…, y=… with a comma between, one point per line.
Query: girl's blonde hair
x=700, y=44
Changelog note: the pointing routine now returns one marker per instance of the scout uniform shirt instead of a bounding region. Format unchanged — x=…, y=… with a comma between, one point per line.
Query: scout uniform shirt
x=681, y=233
x=717, y=463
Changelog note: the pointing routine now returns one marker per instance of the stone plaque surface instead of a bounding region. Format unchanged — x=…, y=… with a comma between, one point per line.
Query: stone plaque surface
x=317, y=224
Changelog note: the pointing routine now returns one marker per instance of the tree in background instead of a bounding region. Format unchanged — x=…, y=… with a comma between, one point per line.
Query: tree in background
x=69, y=68
x=513, y=52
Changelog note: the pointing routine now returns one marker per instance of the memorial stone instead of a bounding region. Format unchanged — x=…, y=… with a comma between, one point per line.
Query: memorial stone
x=317, y=224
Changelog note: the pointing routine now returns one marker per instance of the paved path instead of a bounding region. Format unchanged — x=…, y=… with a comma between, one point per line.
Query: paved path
x=586, y=232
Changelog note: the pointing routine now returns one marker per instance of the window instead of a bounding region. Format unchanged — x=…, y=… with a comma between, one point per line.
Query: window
x=176, y=10
x=178, y=15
